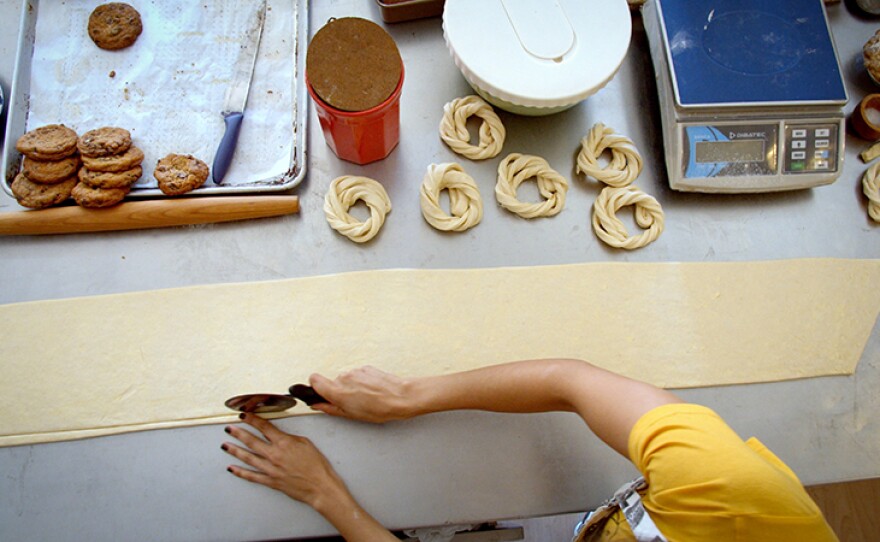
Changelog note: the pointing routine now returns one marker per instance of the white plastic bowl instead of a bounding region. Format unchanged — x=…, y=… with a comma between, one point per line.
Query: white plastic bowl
x=537, y=57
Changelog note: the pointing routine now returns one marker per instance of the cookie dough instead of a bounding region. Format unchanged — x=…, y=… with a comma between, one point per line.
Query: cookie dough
x=180, y=173
x=343, y=193
x=626, y=162
x=465, y=203
x=517, y=168
x=39, y=196
x=50, y=172
x=675, y=325
x=609, y=228
x=104, y=141
x=871, y=189
x=454, y=132
x=50, y=142
x=114, y=26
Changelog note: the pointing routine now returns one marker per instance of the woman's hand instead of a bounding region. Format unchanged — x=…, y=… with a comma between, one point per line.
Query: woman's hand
x=294, y=466
x=288, y=463
x=366, y=394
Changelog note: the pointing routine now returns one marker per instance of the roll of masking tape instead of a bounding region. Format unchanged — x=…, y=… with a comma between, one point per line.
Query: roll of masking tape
x=866, y=117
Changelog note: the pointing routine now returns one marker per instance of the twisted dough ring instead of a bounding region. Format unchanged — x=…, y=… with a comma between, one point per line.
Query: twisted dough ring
x=454, y=132
x=344, y=192
x=610, y=229
x=871, y=188
x=625, y=164
x=465, y=203
x=515, y=169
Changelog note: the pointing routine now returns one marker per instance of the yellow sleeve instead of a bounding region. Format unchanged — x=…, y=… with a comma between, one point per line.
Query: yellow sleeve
x=705, y=483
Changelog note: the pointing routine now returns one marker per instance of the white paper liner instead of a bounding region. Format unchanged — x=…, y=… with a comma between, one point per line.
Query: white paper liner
x=168, y=87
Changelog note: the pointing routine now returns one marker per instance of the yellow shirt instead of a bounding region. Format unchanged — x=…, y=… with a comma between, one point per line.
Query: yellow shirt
x=705, y=483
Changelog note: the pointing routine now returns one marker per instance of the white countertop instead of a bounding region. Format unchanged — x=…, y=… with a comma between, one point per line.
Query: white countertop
x=456, y=467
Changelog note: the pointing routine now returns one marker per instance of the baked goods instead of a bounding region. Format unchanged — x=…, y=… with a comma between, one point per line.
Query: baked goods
x=347, y=190
x=114, y=26
x=180, y=173
x=454, y=132
x=871, y=55
x=100, y=179
x=86, y=196
x=50, y=172
x=39, y=196
x=104, y=141
x=111, y=164
x=115, y=162
x=516, y=168
x=465, y=203
x=50, y=142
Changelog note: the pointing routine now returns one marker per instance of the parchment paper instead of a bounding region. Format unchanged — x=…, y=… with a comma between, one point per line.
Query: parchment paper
x=168, y=88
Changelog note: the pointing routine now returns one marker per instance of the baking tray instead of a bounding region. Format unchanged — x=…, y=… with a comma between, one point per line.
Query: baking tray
x=20, y=99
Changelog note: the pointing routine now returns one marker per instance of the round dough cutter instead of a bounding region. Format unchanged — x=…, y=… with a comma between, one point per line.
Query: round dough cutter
x=271, y=402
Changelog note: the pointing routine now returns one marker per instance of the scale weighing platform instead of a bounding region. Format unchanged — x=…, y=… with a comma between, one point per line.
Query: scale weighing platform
x=751, y=94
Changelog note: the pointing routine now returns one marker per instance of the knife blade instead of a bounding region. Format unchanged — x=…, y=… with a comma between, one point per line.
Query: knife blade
x=237, y=94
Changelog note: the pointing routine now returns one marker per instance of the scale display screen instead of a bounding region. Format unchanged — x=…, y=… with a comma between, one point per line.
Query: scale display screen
x=730, y=151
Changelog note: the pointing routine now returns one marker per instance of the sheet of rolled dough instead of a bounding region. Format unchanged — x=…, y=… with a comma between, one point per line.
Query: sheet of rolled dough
x=82, y=367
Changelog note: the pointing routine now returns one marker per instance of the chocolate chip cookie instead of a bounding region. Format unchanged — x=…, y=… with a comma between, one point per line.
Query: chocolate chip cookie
x=40, y=196
x=104, y=141
x=50, y=172
x=50, y=142
x=179, y=173
x=114, y=26
x=99, y=179
x=115, y=163
x=94, y=198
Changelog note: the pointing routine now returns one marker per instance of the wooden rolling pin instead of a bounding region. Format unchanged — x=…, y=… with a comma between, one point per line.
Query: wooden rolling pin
x=139, y=215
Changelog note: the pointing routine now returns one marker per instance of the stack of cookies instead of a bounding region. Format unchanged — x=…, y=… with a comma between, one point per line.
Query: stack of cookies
x=48, y=173
x=111, y=164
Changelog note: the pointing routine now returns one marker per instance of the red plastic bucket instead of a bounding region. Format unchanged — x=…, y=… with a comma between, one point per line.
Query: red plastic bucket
x=361, y=136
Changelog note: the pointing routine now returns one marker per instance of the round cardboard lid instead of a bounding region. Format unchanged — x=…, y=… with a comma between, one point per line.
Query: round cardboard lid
x=353, y=64
x=542, y=54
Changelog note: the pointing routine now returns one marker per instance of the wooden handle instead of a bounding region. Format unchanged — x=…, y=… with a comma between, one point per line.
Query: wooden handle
x=139, y=215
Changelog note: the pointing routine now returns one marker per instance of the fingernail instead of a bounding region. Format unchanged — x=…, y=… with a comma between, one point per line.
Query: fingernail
x=228, y=469
x=224, y=447
x=241, y=416
x=227, y=430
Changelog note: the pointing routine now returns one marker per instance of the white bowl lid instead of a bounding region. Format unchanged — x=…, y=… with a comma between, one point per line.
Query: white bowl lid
x=541, y=53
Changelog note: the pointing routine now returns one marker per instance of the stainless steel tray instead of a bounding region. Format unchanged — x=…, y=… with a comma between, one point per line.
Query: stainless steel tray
x=20, y=99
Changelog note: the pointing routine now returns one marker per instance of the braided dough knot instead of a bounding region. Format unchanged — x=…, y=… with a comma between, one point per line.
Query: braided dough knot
x=625, y=164
x=871, y=188
x=344, y=192
x=465, y=203
x=516, y=168
x=609, y=228
x=454, y=132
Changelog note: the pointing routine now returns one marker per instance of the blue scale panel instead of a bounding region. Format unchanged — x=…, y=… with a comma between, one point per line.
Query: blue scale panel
x=751, y=52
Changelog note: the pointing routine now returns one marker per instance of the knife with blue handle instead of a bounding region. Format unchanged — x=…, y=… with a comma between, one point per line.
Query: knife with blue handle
x=237, y=95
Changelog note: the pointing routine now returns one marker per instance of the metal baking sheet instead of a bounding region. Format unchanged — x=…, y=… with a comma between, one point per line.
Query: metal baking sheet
x=27, y=93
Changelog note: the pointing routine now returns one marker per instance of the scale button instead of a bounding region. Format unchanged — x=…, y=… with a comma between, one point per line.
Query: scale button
x=822, y=143
x=820, y=164
x=799, y=144
x=797, y=166
x=798, y=133
x=820, y=154
x=823, y=132
x=798, y=155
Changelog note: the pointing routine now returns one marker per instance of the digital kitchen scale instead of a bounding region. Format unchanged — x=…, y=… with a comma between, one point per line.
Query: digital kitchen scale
x=751, y=95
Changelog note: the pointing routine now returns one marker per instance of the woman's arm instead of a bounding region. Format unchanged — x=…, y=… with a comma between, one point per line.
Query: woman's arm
x=609, y=403
x=294, y=466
